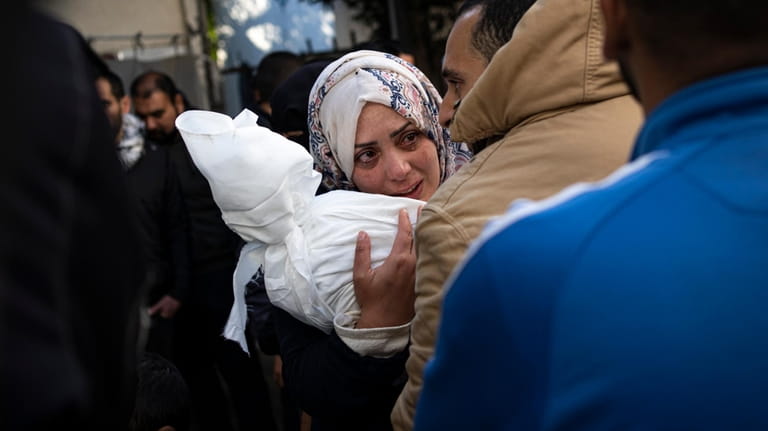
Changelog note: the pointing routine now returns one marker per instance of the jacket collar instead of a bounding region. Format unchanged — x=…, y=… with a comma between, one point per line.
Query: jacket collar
x=711, y=105
x=553, y=61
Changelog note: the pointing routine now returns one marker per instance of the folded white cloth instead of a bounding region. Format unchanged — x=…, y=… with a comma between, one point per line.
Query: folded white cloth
x=265, y=186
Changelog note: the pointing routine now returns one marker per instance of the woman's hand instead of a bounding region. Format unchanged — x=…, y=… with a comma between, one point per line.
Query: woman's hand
x=386, y=294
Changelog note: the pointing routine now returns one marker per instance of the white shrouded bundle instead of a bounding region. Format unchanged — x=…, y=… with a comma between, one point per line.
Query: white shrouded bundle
x=265, y=186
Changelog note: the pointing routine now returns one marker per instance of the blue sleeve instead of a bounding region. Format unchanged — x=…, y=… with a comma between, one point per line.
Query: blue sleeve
x=463, y=388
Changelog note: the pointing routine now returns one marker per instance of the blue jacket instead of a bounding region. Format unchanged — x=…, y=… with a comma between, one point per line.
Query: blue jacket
x=638, y=303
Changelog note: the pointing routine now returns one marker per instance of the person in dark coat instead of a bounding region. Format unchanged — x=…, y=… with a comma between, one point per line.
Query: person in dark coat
x=228, y=390
x=70, y=273
x=162, y=218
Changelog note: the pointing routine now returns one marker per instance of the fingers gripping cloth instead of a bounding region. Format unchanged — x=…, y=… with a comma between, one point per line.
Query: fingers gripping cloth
x=265, y=186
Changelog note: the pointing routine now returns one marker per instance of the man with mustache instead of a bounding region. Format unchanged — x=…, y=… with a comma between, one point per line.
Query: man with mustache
x=204, y=355
x=546, y=112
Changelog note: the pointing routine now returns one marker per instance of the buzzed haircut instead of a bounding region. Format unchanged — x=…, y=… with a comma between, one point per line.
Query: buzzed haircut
x=688, y=28
x=146, y=83
x=115, y=83
x=162, y=396
x=495, y=26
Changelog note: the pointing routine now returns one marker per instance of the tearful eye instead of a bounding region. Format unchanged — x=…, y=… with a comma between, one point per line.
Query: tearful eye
x=410, y=139
x=365, y=158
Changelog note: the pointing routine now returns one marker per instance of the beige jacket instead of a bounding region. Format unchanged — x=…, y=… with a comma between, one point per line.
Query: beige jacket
x=565, y=116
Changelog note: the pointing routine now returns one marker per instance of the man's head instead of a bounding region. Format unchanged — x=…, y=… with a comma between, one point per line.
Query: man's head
x=664, y=45
x=273, y=69
x=289, y=109
x=481, y=28
x=158, y=102
x=116, y=103
x=162, y=397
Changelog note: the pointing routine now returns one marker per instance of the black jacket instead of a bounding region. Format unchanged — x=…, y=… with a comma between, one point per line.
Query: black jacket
x=163, y=224
x=69, y=267
x=213, y=246
x=340, y=389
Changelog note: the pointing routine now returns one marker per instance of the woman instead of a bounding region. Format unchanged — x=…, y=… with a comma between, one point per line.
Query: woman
x=373, y=123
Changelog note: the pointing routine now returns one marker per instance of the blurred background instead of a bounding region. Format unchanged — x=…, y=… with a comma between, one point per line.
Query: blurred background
x=212, y=47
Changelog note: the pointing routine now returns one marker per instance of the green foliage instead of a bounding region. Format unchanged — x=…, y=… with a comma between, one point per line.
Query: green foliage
x=210, y=31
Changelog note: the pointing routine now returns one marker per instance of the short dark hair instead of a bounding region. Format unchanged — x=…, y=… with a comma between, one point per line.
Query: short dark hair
x=152, y=80
x=688, y=28
x=272, y=70
x=495, y=27
x=162, y=396
x=115, y=83
x=290, y=110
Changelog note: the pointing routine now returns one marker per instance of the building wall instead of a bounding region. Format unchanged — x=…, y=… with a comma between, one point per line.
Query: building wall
x=247, y=30
x=348, y=31
x=250, y=29
x=168, y=40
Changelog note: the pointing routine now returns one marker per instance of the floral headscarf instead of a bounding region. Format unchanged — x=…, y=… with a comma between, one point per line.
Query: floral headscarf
x=360, y=77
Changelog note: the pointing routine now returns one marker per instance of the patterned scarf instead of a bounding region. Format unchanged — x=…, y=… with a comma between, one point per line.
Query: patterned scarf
x=360, y=77
x=131, y=146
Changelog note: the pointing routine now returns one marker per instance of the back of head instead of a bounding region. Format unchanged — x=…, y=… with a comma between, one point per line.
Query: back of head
x=290, y=99
x=162, y=396
x=273, y=69
x=497, y=23
x=115, y=83
x=702, y=30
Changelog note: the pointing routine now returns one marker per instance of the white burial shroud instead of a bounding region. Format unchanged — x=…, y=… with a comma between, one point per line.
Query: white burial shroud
x=265, y=186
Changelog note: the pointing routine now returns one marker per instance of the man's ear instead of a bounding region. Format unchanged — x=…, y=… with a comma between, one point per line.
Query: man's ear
x=178, y=103
x=615, y=19
x=125, y=105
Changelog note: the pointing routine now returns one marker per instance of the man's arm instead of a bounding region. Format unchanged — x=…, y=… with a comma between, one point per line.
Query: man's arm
x=441, y=243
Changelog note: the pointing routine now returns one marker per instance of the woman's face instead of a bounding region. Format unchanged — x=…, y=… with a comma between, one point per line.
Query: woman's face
x=392, y=156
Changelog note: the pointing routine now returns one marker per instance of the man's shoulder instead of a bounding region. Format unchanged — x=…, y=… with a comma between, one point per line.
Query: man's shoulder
x=556, y=227
x=474, y=189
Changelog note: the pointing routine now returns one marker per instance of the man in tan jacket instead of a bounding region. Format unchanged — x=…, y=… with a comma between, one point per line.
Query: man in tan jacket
x=480, y=29
x=547, y=112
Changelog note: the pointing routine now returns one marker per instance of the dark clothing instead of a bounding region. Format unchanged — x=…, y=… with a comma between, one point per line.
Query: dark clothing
x=213, y=245
x=163, y=224
x=265, y=119
x=69, y=258
x=227, y=388
x=337, y=387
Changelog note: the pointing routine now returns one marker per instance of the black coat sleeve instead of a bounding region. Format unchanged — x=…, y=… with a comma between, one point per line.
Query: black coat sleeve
x=331, y=382
x=177, y=229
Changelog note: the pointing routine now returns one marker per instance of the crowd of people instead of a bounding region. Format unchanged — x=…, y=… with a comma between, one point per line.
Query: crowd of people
x=574, y=236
